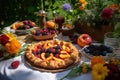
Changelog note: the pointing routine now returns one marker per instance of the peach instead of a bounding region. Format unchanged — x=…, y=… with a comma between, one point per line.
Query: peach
x=64, y=56
x=50, y=57
x=84, y=39
x=43, y=56
x=50, y=24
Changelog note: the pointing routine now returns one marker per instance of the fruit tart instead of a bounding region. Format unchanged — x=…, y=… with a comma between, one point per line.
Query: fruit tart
x=52, y=54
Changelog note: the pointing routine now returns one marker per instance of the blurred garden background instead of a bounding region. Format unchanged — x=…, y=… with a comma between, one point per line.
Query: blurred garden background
x=19, y=10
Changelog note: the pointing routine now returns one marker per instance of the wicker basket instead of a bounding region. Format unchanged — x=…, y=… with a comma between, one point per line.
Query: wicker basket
x=46, y=37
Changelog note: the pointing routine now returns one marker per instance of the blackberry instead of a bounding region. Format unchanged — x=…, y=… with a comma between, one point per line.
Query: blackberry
x=47, y=55
x=42, y=50
x=96, y=51
x=49, y=50
x=86, y=50
x=109, y=49
x=104, y=53
x=57, y=51
x=38, y=52
x=57, y=47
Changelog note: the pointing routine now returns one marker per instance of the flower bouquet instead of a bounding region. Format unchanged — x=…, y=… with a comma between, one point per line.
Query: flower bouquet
x=9, y=45
x=100, y=69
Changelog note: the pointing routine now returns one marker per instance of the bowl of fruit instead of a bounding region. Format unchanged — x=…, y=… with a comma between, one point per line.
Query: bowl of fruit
x=22, y=27
x=97, y=50
x=43, y=33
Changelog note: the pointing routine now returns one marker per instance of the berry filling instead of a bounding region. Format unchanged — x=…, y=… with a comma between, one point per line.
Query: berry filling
x=57, y=51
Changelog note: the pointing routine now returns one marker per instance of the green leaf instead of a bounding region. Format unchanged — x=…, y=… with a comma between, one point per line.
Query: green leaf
x=117, y=27
x=23, y=48
x=72, y=73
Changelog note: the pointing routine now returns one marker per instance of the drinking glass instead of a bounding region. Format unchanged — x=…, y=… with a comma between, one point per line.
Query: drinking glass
x=59, y=20
x=111, y=41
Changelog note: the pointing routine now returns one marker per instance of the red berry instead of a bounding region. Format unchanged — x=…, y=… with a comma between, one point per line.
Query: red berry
x=53, y=50
x=57, y=55
x=15, y=64
x=34, y=51
x=39, y=46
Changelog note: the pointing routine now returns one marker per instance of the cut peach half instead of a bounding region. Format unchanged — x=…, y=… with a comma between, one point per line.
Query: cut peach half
x=63, y=52
x=46, y=46
x=64, y=56
x=57, y=59
x=67, y=49
x=50, y=57
x=63, y=47
x=43, y=56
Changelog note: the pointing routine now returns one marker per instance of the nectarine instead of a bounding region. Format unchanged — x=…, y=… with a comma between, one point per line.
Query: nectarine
x=84, y=39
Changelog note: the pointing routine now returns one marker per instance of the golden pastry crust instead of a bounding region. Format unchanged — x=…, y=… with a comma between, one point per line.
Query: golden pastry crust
x=68, y=54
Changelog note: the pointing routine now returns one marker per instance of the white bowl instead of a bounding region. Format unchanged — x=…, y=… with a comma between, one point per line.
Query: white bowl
x=97, y=50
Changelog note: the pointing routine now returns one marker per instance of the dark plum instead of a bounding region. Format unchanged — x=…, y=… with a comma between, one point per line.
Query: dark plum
x=38, y=52
x=43, y=50
x=49, y=50
x=57, y=51
x=47, y=55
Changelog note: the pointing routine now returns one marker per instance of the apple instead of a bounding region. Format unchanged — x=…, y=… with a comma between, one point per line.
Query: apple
x=84, y=39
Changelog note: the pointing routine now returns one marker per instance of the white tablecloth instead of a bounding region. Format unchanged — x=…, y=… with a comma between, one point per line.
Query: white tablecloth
x=25, y=72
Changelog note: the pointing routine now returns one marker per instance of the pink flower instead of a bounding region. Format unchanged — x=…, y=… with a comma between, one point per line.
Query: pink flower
x=107, y=13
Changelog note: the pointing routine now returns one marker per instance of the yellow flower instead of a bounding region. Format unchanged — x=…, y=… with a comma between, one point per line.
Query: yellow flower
x=84, y=68
x=11, y=36
x=13, y=47
x=114, y=61
x=99, y=71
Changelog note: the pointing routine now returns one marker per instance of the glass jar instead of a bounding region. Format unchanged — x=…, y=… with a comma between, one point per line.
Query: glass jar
x=111, y=41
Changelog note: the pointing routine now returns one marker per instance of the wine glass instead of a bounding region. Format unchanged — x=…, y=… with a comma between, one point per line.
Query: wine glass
x=59, y=20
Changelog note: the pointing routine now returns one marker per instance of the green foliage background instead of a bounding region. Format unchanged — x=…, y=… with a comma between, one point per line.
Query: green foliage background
x=18, y=10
